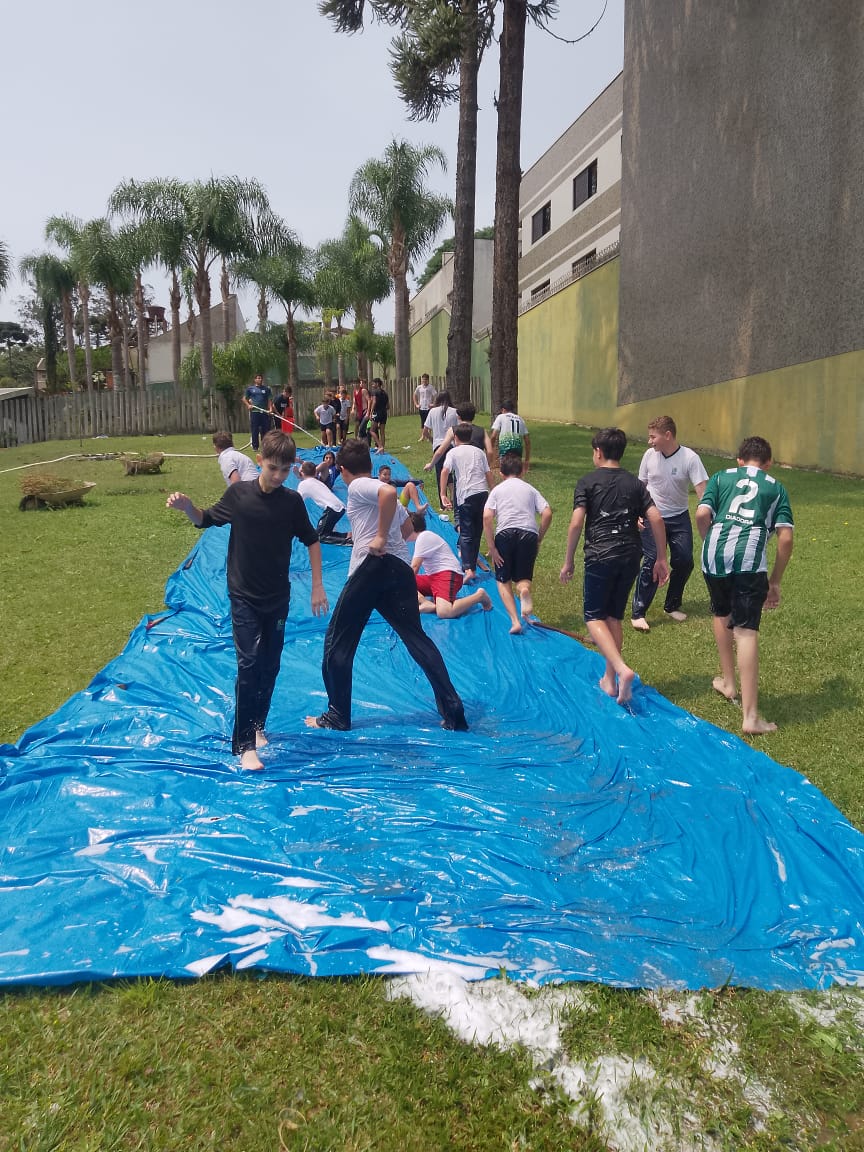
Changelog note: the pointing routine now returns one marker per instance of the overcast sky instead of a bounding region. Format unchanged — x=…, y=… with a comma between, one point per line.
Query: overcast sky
x=104, y=90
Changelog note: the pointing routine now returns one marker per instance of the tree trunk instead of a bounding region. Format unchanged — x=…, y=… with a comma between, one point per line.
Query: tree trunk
x=84, y=294
x=49, y=329
x=124, y=328
x=291, y=336
x=262, y=310
x=340, y=355
x=116, y=341
x=202, y=293
x=326, y=354
x=225, y=288
x=175, y=298
x=460, y=333
x=141, y=329
x=503, y=362
x=69, y=335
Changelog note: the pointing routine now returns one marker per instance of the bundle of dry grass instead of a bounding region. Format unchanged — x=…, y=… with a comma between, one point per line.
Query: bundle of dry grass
x=136, y=464
x=46, y=490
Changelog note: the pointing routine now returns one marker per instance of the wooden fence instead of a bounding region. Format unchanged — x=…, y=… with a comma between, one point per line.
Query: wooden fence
x=77, y=416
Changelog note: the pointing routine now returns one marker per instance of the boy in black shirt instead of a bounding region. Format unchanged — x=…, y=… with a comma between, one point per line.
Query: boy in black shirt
x=610, y=502
x=264, y=519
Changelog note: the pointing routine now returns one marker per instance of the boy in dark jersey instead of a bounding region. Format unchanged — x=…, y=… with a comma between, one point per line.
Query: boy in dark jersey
x=609, y=502
x=264, y=519
x=738, y=511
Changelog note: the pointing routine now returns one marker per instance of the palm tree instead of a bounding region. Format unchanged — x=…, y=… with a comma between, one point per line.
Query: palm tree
x=48, y=276
x=217, y=219
x=270, y=236
x=390, y=195
x=110, y=265
x=5, y=266
x=68, y=232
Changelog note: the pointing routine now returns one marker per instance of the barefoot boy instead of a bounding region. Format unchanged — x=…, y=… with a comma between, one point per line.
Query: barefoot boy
x=609, y=502
x=739, y=510
x=264, y=519
x=513, y=548
x=439, y=583
x=379, y=578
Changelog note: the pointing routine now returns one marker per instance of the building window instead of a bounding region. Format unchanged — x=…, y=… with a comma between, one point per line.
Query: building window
x=584, y=262
x=585, y=184
x=540, y=289
x=541, y=222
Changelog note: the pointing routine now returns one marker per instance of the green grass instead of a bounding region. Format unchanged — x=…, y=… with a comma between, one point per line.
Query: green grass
x=248, y=1064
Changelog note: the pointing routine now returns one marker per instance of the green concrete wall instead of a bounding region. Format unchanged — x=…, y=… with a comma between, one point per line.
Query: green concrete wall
x=568, y=352
x=429, y=352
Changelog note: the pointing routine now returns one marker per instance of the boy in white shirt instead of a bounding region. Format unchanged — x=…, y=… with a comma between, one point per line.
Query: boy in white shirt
x=439, y=583
x=311, y=488
x=326, y=418
x=234, y=465
x=513, y=548
x=473, y=481
x=379, y=578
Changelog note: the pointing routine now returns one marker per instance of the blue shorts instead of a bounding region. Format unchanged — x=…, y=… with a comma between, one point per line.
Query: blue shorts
x=607, y=587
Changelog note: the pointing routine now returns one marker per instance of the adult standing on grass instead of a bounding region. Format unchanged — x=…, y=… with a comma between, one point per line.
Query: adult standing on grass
x=265, y=518
x=259, y=400
x=739, y=510
x=424, y=398
x=609, y=502
x=380, y=578
x=668, y=470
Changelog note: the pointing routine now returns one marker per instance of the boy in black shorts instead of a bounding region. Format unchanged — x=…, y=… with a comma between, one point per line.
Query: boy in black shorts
x=609, y=502
x=265, y=517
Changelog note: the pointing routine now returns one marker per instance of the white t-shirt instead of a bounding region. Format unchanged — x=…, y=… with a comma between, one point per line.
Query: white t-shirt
x=325, y=414
x=438, y=421
x=435, y=553
x=469, y=465
x=424, y=396
x=668, y=478
x=231, y=460
x=363, y=515
x=315, y=490
x=516, y=505
x=510, y=427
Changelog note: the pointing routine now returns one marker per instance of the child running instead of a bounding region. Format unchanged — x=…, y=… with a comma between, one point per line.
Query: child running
x=513, y=548
x=379, y=578
x=738, y=511
x=265, y=518
x=609, y=502
x=439, y=583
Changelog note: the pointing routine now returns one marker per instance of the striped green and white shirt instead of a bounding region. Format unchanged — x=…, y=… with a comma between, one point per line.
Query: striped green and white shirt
x=746, y=506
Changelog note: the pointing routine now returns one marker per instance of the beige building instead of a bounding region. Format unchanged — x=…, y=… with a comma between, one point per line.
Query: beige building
x=159, y=370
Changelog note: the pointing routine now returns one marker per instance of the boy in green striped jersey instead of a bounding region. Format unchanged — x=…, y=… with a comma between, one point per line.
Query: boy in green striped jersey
x=738, y=511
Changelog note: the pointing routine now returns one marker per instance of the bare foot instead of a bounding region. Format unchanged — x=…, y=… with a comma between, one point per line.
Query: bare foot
x=720, y=685
x=516, y=629
x=678, y=617
x=625, y=686
x=261, y=740
x=759, y=727
x=527, y=604
x=311, y=722
x=608, y=685
x=470, y=576
x=250, y=761
x=640, y=624
x=485, y=601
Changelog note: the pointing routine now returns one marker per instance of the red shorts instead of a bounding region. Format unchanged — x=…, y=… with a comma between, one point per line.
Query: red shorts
x=444, y=584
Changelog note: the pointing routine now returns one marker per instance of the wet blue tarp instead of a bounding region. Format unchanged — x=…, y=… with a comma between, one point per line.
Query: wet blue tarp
x=562, y=838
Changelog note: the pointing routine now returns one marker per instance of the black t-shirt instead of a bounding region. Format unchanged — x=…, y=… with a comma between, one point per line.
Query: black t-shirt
x=263, y=527
x=282, y=403
x=380, y=402
x=614, y=500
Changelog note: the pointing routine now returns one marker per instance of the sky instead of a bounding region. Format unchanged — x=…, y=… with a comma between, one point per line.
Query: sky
x=106, y=90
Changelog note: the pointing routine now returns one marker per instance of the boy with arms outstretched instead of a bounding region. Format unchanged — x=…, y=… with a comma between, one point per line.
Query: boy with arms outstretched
x=379, y=578
x=609, y=502
x=738, y=511
x=265, y=518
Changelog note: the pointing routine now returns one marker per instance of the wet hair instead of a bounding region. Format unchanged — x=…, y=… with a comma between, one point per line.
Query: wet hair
x=462, y=432
x=663, y=424
x=307, y=468
x=511, y=464
x=223, y=440
x=508, y=405
x=329, y=452
x=755, y=448
x=442, y=400
x=418, y=520
x=611, y=442
x=279, y=448
x=466, y=411
x=355, y=457
x=385, y=468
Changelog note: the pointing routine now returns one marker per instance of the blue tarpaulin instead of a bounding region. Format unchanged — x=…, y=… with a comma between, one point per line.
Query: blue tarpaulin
x=562, y=838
